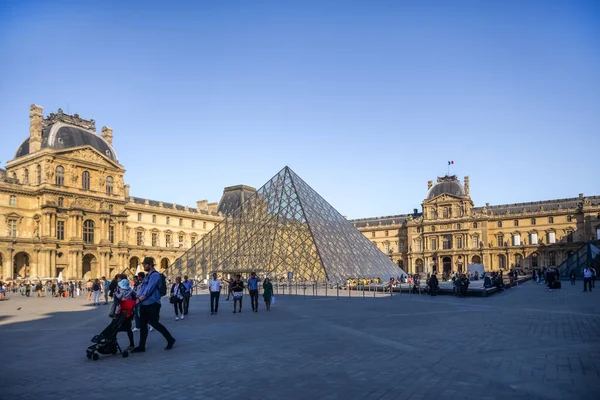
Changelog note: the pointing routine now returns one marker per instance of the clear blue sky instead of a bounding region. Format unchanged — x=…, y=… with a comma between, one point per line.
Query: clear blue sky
x=366, y=101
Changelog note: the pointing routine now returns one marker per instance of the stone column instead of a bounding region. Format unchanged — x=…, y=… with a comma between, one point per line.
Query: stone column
x=52, y=265
x=79, y=257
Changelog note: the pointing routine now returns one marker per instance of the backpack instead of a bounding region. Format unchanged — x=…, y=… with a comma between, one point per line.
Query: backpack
x=96, y=287
x=162, y=285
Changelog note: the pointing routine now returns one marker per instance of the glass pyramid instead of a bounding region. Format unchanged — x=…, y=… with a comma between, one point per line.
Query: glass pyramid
x=286, y=228
x=587, y=255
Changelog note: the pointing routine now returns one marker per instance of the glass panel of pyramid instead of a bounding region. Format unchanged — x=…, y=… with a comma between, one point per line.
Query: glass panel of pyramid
x=286, y=227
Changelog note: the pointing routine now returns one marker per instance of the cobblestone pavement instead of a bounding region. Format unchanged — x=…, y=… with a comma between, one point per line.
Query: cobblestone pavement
x=526, y=342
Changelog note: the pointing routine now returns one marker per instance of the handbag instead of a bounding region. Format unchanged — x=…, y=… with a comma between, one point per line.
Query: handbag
x=173, y=299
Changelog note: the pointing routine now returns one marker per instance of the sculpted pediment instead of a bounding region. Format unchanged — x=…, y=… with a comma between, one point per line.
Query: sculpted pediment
x=88, y=154
x=443, y=198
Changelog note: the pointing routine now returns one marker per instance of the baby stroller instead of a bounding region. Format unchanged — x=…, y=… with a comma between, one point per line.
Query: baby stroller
x=106, y=342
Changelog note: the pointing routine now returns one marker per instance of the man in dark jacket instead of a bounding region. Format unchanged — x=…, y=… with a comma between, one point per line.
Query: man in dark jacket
x=433, y=284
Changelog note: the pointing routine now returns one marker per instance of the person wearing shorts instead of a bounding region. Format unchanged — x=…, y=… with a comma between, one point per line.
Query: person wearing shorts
x=237, y=288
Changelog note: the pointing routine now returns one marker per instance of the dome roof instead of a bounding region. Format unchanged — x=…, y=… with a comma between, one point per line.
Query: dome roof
x=60, y=136
x=446, y=185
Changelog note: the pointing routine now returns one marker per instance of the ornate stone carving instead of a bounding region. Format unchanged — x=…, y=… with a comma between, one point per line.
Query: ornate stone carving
x=88, y=155
x=74, y=119
x=84, y=203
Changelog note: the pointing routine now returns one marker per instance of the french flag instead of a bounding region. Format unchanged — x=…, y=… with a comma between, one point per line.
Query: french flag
x=450, y=162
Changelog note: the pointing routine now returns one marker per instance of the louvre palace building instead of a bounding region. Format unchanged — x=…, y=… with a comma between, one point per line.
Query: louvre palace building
x=65, y=207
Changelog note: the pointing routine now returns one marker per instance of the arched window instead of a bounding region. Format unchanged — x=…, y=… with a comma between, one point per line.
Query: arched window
x=534, y=260
x=458, y=226
x=180, y=221
x=372, y=234
x=533, y=221
x=154, y=219
x=168, y=220
x=61, y=201
x=194, y=240
x=475, y=225
x=88, y=231
x=552, y=258
x=499, y=224
x=516, y=222
x=13, y=200
x=501, y=261
x=446, y=212
x=109, y=185
x=26, y=176
x=550, y=220
x=60, y=176
x=85, y=180
x=38, y=173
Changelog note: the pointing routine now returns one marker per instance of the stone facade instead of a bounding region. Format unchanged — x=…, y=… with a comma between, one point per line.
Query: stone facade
x=64, y=207
x=450, y=232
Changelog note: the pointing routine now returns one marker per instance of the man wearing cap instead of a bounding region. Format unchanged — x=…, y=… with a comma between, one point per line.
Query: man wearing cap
x=149, y=301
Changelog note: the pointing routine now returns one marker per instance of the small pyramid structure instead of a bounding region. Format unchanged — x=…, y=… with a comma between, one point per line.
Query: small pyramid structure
x=285, y=228
x=587, y=255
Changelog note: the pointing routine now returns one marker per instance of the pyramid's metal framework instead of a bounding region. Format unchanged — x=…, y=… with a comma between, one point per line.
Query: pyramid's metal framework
x=286, y=227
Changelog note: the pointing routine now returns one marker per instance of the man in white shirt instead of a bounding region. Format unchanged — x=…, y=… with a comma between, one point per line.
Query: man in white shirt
x=215, y=291
x=587, y=279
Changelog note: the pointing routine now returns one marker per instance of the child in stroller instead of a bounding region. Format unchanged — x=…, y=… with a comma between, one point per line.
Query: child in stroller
x=106, y=342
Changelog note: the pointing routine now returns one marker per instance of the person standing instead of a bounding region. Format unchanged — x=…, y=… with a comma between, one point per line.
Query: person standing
x=593, y=276
x=106, y=287
x=88, y=286
x=433, y=284
x=149, y=301
x=237, y=287
x=267, y=293
x=587, y=279
x=572, y=276
x=229, y=288
x=187, y=294
x=96, y=289
x=215, y=292
x=253, y=289
x=177, y=294
x=72, y=289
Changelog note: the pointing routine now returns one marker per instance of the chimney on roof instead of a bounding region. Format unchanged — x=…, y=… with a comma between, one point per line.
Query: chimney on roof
x=202, y=205
x=213, y=207
x=127, y=190
x=429, y=184
x=415, y=211
x=467, y=185
x=35, y=128
x=107, y=134
x=581, y=195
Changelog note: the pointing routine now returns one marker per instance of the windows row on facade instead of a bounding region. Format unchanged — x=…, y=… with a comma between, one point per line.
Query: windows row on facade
x=168, y=239
x=499, y=224
x=448, y=242
x=59, y=178
x=140, y=218
x=90, y=234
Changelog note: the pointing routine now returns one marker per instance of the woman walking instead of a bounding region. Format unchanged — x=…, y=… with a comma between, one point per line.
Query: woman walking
x=238, y=292
x=267, y=293
x=177, y=292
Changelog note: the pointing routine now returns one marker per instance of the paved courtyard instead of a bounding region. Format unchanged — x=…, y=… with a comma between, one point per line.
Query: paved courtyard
x=523, y=343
